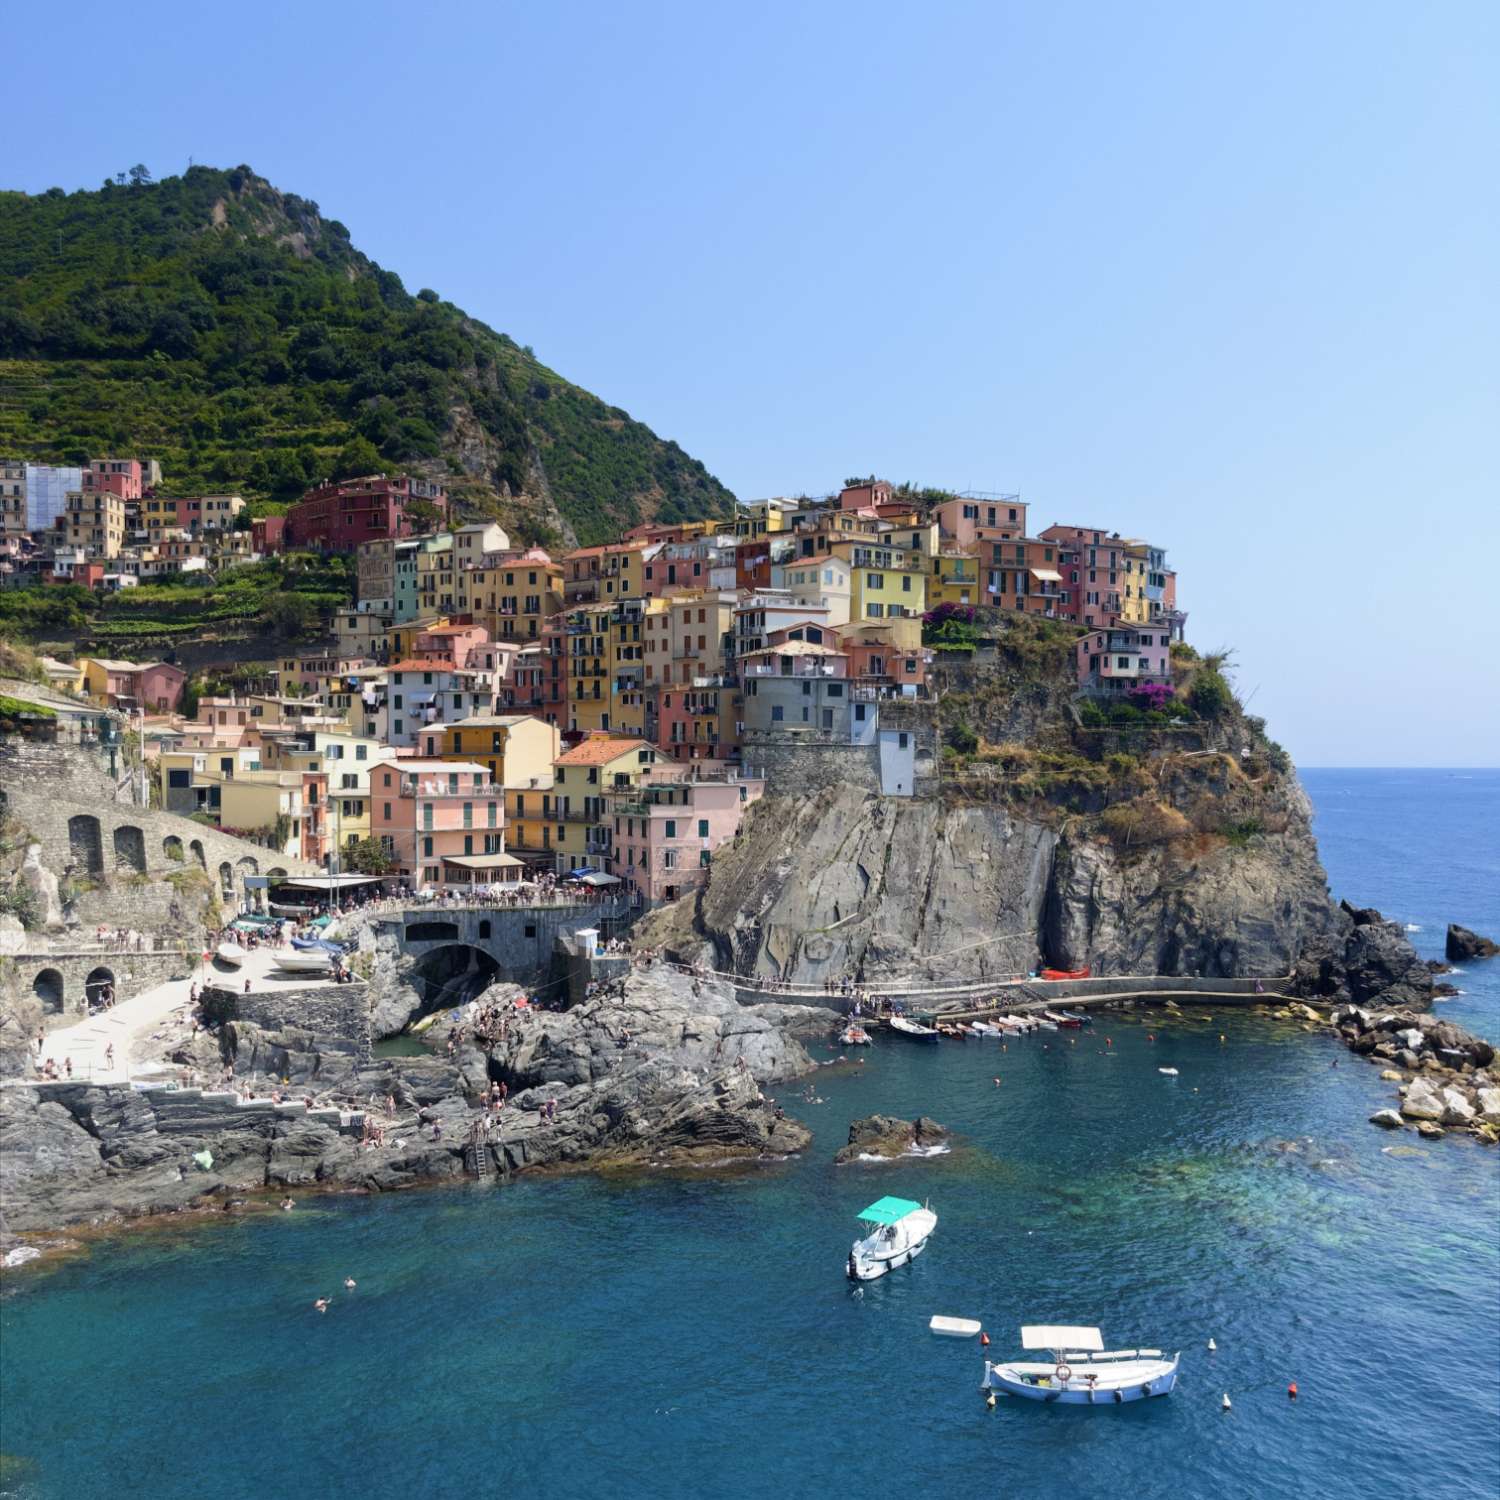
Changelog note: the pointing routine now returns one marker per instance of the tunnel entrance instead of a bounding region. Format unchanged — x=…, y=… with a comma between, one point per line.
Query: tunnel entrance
x=451, y=976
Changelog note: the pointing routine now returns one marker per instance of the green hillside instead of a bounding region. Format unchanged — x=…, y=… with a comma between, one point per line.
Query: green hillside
x=232, y=332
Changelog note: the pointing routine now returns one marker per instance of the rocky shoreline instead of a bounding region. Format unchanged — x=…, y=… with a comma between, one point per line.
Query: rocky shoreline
x=658, y=1069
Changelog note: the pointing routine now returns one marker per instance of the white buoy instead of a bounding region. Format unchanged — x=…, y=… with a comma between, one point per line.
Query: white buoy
x=1224, y=1405
x=1212, y=1346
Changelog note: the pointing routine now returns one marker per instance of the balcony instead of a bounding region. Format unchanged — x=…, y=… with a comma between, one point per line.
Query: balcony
x=441, y=789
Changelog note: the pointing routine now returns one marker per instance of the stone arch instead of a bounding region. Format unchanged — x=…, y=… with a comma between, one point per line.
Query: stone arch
x=226, y=878
x=197, y=847
x=452, y=975
x=48, y=988
x=171, y=846
x=93, y=986
x=276, y=873
x=86, y=843
x=247, y=865
x=130, y=848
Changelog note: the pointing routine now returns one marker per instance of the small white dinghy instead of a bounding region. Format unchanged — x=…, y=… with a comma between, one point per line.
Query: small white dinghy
x=956, y=1328
x=1081, y=1372
x=898, y=1238
x=231, y=954
x=1167, y=1072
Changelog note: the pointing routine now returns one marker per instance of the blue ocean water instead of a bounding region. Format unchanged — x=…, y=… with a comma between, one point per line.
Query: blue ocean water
x=692, y=1334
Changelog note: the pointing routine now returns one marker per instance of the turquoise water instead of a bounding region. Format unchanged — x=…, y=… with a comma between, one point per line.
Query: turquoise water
x=693, y=1334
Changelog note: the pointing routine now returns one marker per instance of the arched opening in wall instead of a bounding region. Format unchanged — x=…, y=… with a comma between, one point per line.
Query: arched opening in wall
x=276, y=873
x=226, y=878
x=85, y=843
x=484, y=928
x=431, y=932
x=130, y=849
x=246, y=865
x=48, y=988
x=99, y=987
x=451, y=976
x=197, y=847
x=171, y=846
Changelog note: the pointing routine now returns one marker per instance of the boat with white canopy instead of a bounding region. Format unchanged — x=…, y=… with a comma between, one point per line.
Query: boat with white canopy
x=1081, y=1372
x=901, y=1229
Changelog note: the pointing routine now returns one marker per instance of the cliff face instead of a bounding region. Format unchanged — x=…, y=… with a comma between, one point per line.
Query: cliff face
x=956, y=888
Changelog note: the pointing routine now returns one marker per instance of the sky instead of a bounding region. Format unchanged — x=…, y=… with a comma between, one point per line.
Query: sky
x=1226, y=277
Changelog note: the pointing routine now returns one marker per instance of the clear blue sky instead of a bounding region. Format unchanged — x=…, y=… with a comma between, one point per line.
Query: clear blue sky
x=1224, y=276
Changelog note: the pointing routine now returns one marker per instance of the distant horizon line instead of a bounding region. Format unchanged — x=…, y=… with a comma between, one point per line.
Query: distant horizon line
x=1308, y=766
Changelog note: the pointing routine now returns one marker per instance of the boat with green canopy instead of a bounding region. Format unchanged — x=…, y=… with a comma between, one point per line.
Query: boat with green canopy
x=899, y=1233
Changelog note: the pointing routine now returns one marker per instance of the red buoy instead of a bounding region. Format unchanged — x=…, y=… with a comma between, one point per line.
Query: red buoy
x=1291, y=1390
x=984, y=1341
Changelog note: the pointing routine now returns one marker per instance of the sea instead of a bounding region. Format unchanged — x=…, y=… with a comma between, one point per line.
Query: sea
x=691, y=1333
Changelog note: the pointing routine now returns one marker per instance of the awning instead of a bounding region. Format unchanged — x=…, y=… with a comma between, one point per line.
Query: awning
x=324, y=882
x=889, y=1210
x=1045, y=1336
x=1047, y=575
x=481, y=861
x=595, y=878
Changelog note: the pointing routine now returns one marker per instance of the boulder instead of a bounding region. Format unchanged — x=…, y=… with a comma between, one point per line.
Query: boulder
x=1461, y=944
x=1390, y=1075
x=1430, y=1130
x=884, y=1136
x=1456, y=1109
x=12, y=934
x=1489, y=1106
x=1389, y=1119
x=1422, y=1101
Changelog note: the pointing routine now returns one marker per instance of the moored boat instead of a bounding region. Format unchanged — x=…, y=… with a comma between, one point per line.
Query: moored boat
x=1081, y=1372
x=955, y=1328
x=1065, y=973
x=231, y=954
x=901, y=1231
x=854, y=1036
x=1063, y=1019
x=914, y=1030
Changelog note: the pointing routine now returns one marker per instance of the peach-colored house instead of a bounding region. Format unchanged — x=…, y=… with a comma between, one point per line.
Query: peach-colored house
x=966, y=520
x=449, y=643
x=1121, y=657
x=442, y=822
x=664, y=833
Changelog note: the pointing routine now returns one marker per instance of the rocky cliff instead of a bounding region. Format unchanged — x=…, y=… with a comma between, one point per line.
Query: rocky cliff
x=1200, y=863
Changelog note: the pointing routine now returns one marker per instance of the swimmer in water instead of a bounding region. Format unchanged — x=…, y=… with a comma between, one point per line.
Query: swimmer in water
x=321, y=1304
x=349, y=1282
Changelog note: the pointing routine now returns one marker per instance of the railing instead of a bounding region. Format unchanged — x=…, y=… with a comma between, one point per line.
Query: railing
x=442, y=789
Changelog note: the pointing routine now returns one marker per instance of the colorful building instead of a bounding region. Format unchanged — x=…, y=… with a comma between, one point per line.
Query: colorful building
x=577, y=830
x=441, y=822
x=1119, y=657
x=338, y=517
x=517, y=750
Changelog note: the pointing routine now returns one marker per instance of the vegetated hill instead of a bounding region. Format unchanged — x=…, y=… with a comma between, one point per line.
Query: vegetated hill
x=231, y=331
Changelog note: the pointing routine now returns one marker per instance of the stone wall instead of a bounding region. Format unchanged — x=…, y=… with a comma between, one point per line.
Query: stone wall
x=59, y=980
x=332, y=1012
x=795, y=769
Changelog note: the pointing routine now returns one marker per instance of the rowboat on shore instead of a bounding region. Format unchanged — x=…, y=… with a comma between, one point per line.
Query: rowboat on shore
x=913, y=1030
x=900, y=1233
x=1065, y=973
x=1062, y=1018
x=231, y=954
x=309, y=962
x=1081, y=1372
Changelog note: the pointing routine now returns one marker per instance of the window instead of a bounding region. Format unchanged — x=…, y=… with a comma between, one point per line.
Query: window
x=179, y=778
x=835, y=689
x=777, y=715
x=902, y=740
x=669, y=859
x=387, y=807
x=360, y=751
x=427, y=848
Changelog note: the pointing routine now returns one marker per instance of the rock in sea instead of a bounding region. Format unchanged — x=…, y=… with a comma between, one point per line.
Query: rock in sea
x=1389, y=1118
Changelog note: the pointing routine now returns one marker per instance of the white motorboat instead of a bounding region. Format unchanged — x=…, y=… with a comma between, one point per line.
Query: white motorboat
x=309, y=961
x=854, y=1036
x=231, y=954
x=913, y=1030
x=1081, y=1372
x=900, y=1233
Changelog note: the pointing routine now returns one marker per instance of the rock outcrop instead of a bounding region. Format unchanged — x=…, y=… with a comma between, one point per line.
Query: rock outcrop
x=1461, y=944
x=884, y=1137
x=658, y=1069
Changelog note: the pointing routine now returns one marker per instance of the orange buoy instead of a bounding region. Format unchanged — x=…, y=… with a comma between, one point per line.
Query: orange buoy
x=1291, y=1390
x=984, y=1340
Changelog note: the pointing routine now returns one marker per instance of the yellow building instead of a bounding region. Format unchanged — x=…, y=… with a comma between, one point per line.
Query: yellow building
x=576, y=832
x=633, y=623
x=756, y=518
x=885, y=582
x=517, y=749
x=528, y=826
x=1135, y=573
x=95, y=520
x=513, y=599
x=400, y=640
x=434, y=556
x=622, y=572
x=587, y=645
x=954, y=579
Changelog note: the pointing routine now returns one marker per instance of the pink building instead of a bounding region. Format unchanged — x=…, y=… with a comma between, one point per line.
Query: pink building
x=442, y=822
x=664, y=833
x=118, y=476
x=980, y=519
x=1119, y=657
x=449, y=643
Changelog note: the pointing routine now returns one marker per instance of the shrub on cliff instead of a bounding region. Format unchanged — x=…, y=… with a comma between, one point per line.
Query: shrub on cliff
x=1142, y=823
x=1210, y=695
